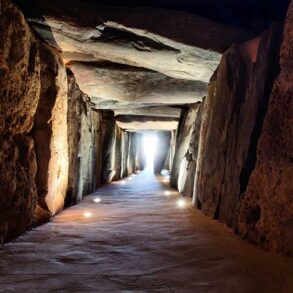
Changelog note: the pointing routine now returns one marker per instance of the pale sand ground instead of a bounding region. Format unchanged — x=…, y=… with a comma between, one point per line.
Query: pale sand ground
x=138, y=240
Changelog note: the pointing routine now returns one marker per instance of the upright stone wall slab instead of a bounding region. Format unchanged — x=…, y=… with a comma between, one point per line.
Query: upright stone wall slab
x=232, y=117
x=191, y=154
x=184, y=132
x=108, y=125
x=132, y=153
x=19, y=96
x=163, y=143
x=50, y=134
x=266, y=210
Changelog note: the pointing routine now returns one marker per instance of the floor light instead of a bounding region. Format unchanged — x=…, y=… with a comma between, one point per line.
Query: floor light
x=87, y=214
x=181, y=203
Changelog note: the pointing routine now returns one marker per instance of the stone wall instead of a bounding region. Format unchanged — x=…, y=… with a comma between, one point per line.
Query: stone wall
x=171, y=151
x=118, y=151
x=84, y=131
x=19, y=96
x=54, y=147
x=108, y=146
x=162, y=147
x=184, y=132
x=266, y=210
x=133, y=150
x=189, y=162
x=140, y=157
x=231, y=115
x=124, y=154
x=50, y=135
x=232, y=124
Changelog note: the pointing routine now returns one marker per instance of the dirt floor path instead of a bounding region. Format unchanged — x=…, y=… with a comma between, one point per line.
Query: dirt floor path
x=137, y=239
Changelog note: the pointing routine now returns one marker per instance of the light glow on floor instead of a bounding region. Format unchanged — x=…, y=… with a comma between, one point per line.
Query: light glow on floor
x=88, y=214
x=97, y=200
x=181, y=203
x=167, y=193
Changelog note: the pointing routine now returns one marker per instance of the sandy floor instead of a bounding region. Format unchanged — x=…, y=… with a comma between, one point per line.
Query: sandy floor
x=138, y=240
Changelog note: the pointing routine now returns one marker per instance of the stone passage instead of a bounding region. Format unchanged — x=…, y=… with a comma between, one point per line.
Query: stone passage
x=131, y=236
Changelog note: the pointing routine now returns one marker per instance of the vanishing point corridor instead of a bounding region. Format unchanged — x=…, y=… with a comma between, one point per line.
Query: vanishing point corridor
x=132, y=236
x=146, y=146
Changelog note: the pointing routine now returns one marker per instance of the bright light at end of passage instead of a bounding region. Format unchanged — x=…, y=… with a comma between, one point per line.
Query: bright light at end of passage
x=181, y=203
x=97, y=200
x=88, y=214
x=149, y=148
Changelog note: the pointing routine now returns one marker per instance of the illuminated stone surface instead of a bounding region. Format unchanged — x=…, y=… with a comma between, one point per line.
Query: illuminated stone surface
x=138, y=240
x=50, y=133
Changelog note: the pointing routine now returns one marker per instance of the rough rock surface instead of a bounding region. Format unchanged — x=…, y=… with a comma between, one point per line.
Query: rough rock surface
x=115, y=86
x=19, y=71
x=108, y=146
x=136, y=36
x=184, y=132
x=50, y=133
x=136, y=123
x=74, y=125
x=163, y=143
x=90, y=121
x=131, y=58
x=124, y=152
x=171, y=151
x=140, y=157
x=84, y=144
x=19, y=95
x=155, y=111
x=187, y=185
x=118, y=153
x=131, y=162
x=266, y=213
x=231, y=121
x=118, y=149
x=18, y=195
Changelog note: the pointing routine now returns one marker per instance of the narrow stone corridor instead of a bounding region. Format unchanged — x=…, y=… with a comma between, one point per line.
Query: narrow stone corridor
x=131, y=236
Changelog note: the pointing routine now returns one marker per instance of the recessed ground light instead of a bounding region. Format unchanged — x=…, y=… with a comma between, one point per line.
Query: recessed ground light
x=122, y=182
x=167, y=193
x=129, y=178
x=88, y=214
x=97, y=200
x=181, y=203
x=133, y=175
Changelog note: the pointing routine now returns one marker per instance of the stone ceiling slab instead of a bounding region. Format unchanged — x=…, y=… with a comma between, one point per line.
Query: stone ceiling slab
x=159, y=111
x=132, y=123
x=177, y=44
x=115, y=86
